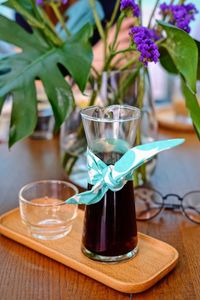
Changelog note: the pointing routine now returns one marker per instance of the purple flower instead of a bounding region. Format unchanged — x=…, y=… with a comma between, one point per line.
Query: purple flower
x=144, y=39
x=130, y=5
x=41, y=2
x=179, y=15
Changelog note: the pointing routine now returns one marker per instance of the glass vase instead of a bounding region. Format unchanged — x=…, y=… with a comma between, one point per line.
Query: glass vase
x=72, y=149
x=114, y=87
x=134, y=88
x=110, y=230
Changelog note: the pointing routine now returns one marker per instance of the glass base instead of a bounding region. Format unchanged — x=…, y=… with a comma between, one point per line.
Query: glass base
x=109, y=259
x=49, y=234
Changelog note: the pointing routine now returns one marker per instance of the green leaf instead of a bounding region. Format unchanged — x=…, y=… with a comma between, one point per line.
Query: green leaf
x=193, y=106
x=2, y=99
x=24, y=112
x=198, y=69
x=78, y=59
x=166, y=61
x=84, y=34
x=40, y=60
x=14, y=34
x=58, y=92
x=181, y=47
x=26, y=4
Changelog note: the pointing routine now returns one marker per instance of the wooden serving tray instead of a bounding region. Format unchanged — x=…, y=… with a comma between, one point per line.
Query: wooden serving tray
x=153, y=261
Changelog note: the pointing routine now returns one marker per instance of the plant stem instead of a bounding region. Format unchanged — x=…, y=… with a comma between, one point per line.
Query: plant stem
x=140, y=17
x=42, y=15
x=118, y=26
x=108, y=61
x=153, y=12
x=121, y=58
x=129, y=63
x=47, y=20
x=95, y=71
x=112, y=55
x=35, y=23
x=97, y=20
x=124, y=51
x=141, y=89
x=60, y=17
x=135, y=179
x=161, y=41
x=126, y=83
x=143, y=172
x=105, y=43
x=114, y=14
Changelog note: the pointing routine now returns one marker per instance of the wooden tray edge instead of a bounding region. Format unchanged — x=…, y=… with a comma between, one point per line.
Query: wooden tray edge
x=84, y=269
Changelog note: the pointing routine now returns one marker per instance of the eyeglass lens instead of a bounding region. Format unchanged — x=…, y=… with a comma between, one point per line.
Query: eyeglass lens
x=191, y=206
x=149, y=203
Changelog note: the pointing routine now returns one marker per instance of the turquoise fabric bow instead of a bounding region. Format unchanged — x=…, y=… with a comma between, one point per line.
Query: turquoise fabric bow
x=104, y=177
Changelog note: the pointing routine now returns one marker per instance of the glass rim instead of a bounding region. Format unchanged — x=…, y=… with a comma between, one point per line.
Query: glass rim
x=31, y=184
x=104, y=120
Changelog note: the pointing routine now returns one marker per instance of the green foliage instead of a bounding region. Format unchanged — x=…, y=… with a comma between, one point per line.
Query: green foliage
x=79, y=14
x=166, y=61
x=39, y=59
x=180, y=46
x=176, y=58
x=198, y=69
x=45, y=56
x=1, y=103
x=193, y=106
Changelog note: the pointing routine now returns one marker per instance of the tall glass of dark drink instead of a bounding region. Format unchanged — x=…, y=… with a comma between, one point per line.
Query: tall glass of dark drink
x=110, y=230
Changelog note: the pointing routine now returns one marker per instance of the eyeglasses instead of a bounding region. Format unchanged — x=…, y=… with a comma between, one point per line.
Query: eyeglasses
x=149, y=203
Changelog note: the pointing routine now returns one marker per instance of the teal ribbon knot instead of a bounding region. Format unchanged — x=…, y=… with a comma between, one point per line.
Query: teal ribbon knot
x=104, y=177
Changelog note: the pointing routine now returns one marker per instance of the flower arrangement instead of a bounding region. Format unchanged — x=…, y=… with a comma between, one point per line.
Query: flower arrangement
x=50, y=52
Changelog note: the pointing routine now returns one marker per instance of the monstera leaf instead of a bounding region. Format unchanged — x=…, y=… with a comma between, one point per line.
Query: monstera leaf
x=40, y=60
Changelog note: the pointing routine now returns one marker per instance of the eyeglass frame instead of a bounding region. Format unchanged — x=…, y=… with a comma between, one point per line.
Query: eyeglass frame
x=164, y=197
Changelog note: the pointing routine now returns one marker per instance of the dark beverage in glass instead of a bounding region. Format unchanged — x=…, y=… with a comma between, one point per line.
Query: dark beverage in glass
x=110, y=230
x=110, y=225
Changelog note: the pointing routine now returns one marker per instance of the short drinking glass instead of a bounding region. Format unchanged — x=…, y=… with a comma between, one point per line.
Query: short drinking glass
x=44, y=211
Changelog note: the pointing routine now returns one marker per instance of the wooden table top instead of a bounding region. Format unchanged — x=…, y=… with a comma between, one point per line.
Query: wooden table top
x=28, y=275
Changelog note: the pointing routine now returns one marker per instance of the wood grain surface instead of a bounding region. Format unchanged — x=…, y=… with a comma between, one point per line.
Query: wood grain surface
x=153, y=261
x=28, y=275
